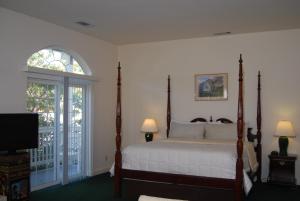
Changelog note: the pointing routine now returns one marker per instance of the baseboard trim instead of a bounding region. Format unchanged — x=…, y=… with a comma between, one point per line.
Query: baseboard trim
x=100, y=171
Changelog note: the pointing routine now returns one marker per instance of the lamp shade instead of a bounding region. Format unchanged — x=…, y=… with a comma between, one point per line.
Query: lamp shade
x=285, y=128
x=149, y=126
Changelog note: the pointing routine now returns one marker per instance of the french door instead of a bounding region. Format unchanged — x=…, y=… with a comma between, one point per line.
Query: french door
x=76, y=133
x=60, y=155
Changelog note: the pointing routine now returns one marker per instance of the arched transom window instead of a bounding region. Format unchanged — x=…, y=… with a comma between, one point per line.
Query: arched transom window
x=53, y=59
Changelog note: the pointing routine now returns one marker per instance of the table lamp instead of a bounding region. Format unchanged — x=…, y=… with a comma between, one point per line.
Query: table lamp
x=149, y=127
x=284, y=130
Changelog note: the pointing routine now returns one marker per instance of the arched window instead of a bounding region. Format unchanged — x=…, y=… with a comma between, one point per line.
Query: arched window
x=59, y=91
x=54, y=59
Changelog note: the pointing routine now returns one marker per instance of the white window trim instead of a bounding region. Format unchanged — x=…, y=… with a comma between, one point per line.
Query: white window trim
x=36, y=70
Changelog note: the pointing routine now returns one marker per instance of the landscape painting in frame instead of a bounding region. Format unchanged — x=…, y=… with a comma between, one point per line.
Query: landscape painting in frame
x=211, y=86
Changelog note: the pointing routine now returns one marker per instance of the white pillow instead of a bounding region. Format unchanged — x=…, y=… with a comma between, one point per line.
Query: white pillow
x=220, y=131
x=186, y=130
x=223, y=131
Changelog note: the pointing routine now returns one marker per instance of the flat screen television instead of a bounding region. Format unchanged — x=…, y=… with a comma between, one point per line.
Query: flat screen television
x=18, y=131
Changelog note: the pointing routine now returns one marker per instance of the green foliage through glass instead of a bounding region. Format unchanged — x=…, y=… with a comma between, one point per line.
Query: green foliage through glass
x=55, y=60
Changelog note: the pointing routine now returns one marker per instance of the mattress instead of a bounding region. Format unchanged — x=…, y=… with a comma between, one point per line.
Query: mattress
x=208, y=158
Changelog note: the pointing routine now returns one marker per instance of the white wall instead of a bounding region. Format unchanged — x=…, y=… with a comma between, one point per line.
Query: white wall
x=276, y=54
x=21, y=35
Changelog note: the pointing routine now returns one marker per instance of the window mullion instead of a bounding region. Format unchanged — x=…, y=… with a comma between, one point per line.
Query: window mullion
x=65, y=130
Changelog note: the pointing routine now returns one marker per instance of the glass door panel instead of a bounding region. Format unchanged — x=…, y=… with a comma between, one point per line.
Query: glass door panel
x=76, y=131
x=42, y=98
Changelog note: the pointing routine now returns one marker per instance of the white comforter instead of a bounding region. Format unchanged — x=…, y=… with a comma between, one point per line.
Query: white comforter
x=207, y=158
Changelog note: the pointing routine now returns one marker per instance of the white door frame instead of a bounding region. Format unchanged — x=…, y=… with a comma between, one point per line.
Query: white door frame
x=66, y=79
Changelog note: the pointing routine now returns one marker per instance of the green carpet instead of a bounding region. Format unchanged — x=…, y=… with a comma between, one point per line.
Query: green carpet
x=100, y=188
x=266, y=192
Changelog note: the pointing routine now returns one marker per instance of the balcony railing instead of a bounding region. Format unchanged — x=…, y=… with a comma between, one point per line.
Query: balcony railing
x=43, y=157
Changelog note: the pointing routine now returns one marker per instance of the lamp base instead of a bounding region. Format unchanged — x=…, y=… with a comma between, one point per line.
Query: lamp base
x=283, y=145
x=148, y=137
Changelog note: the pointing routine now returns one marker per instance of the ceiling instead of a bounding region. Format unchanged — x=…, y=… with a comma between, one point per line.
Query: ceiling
x=135, y=21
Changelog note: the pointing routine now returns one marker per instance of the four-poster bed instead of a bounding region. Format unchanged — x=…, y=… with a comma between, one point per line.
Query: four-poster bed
x=235, y=184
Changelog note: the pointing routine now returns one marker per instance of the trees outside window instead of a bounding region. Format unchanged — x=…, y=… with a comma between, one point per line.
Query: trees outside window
x=55, y=60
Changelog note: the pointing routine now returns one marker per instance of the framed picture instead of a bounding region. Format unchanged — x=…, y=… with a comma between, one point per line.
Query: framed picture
x=211, y=86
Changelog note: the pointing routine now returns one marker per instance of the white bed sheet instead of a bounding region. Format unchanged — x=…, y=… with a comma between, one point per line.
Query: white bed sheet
x=209, y=158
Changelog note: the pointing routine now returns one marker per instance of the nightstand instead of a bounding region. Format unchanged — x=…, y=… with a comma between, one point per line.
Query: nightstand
x=282, y=169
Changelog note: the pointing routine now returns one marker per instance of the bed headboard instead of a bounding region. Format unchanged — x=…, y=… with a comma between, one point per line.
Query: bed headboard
x=198, y=119
x=224, y=120
x=251, y=137
x=221, y=120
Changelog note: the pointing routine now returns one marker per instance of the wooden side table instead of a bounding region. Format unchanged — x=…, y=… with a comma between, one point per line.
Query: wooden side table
x=14, y=176
x=282, y=169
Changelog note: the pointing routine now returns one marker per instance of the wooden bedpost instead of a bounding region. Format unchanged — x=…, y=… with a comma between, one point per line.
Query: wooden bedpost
x=118, y=154
x=168, y=108
x=240, y=131
x=258, y=121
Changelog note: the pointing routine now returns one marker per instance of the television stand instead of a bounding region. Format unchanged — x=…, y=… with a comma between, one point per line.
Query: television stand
x=14, y=176
x=12, y=152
